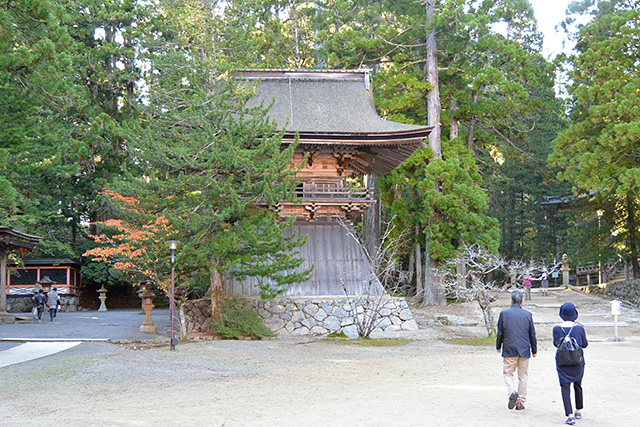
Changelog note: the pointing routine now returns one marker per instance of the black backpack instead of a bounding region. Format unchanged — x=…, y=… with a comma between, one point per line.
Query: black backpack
x=569, y=353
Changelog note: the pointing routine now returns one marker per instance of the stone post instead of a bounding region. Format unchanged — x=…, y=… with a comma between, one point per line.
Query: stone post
x=565, y=270
x=147, y=325
x=103, y=298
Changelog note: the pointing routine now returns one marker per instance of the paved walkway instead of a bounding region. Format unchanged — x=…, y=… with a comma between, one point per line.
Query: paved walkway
x=33, y=350
x=32, y=339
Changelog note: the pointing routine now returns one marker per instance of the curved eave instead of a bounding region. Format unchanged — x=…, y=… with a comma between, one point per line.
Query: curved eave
x=349, y=138
x=374, y=154
x=12, y=239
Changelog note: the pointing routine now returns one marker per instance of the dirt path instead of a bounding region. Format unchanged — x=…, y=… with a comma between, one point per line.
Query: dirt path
x=291, y=381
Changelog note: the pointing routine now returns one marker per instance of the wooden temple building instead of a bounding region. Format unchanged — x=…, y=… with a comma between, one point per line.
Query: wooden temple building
x=12, y=240
x=44, y=273
x=333, y=114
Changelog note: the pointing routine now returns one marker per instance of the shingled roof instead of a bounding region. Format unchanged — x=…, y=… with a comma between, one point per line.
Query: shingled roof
x=335, y=108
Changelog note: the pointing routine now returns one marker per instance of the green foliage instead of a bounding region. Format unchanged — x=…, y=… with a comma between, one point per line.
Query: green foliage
x=206, y=157
x=497, y=97
x=459, y=205
x=97, y=272
x=597, y=153
x=519, y=183
x=96, y=91
x=340, y=334
x=239, y=320
x=61, y=112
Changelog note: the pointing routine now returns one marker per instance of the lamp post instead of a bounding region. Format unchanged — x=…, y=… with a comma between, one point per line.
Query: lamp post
x=599, y=212
x=173, y=245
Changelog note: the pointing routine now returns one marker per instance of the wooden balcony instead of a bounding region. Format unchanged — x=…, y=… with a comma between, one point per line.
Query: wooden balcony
x=311, y=192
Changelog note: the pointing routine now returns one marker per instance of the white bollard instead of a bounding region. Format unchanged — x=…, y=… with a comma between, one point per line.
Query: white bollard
x=616, y=310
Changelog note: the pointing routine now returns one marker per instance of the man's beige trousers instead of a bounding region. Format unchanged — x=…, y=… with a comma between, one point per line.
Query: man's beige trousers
x=521, y=365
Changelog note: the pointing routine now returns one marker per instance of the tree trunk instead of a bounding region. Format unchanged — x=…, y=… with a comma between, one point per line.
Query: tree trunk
x=297, y=40
x=472, y=128
x=411, y=270
x=433, y=287
x=418, y=265
x=371, y=220
x=217, y=282
x=111, y=99
x=487, y=316
x=455, y=125
x=74, y=235
x=433, y=95
x=461, y=274
x=433, y=294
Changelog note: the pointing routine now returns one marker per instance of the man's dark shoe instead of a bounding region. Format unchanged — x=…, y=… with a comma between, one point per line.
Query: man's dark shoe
x=512, y=400
x=519, y=407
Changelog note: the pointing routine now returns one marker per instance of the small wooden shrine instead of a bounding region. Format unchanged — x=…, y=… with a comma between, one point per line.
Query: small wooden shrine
x=334, y=117
x=44, y=273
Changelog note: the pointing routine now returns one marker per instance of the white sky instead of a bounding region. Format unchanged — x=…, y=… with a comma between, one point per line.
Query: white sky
x=549, y=13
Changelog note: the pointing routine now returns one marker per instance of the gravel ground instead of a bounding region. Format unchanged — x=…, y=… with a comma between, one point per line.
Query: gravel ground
x=312, y=381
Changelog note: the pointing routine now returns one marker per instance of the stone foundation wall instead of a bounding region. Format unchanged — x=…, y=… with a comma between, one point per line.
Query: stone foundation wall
x=323, y=315
x=314, y=316
x=627, y=291
x=194, y=317
x=24, y=304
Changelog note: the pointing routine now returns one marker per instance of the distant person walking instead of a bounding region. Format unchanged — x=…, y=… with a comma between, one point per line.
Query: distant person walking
x=517, y=338
x=527, y=286
x=39, y=300
x=544, y=282
x=52, y=302
x=574, y=373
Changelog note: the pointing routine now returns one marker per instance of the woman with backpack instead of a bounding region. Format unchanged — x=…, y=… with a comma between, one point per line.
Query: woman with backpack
x=570, y=367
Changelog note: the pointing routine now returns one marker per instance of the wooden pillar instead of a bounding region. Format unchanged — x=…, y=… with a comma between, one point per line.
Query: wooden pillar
x=4, y=255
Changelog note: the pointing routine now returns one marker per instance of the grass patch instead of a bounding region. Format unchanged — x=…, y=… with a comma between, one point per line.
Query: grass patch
x=374, y=342
x=478, y=342
x=340, y=334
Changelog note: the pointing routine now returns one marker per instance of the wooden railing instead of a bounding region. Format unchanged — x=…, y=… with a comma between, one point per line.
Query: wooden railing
x=333, y=193
x=587, y=269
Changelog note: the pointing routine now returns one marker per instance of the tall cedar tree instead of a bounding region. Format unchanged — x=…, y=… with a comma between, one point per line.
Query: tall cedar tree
x=598, y=153
x=67, y=85
x=41, y=158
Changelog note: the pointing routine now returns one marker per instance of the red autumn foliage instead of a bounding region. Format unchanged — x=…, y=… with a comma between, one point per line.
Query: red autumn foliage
x=136, y=248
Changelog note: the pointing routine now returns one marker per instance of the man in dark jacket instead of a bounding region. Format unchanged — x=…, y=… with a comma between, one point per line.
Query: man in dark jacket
x=517, y=338
x=39, y=299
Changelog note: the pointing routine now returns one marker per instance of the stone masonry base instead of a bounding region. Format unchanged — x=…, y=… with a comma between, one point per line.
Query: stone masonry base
x=323, y=315
x=312, y=315
x=24, y=304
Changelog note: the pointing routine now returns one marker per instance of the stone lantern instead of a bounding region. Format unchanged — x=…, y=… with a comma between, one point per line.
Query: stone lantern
x=565, y=270
x=45, y=283
x=147, y=298
x=103, y=296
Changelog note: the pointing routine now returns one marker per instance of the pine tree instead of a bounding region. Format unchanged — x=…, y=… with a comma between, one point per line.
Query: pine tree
x=212, y=164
